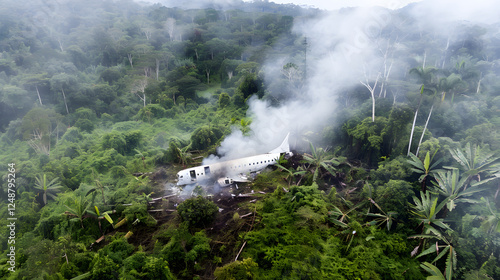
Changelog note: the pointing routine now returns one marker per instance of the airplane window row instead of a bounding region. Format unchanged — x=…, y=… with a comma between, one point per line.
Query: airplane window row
x=268, y=161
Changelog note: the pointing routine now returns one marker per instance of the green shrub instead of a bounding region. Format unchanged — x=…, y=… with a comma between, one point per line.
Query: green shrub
x=118, y=250
x=198, y=212
x=238, y=270
x=224, y=100
x=103, y=268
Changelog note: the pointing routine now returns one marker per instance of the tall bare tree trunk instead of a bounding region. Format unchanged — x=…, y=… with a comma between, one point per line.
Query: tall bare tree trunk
x=60, y=45
x=129, y=56
x=65, y=103
x=479, y=83
x=372, y=92
x=39, y=98
x=423, y=132
x=414, y=121
x=425, y=58
x=157, y=68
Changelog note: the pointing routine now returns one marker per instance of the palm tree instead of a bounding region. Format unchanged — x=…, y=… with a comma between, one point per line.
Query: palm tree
x=425, y=75
x=183, y=156
x=79, y=209
x=453, y=187
x=476, y=161
x=426, y=209
x=491, y=223
x=291, y=173
x=387, y=218
x=436, y=274
x=47, y=188
x=424, y=167
x=440, y=250
x=339, y=217
x=245, y=126
x=141, y=155
x=99, y=186
x=319, y=158
x=449, y=85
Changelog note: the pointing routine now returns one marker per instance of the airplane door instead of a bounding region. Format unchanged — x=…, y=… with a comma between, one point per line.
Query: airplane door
x=207, y=170
x=193, y=174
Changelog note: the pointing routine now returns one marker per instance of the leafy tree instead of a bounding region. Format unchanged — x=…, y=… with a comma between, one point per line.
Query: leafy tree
x=37, y=127
x=15, y=97
x=41, y=257
x=446, y=84
x=98, y=187
x=367, y=138
x=205, y=137
x=229, y=67
x=115, y=141
x=198, y=212
x=185, y=251
x=64, y=83
x=85, y=125
x=110, y=75
x=251, y=84
x=103, y=267
x=247, y=68
x=188, y=85
x=395, y=196
x=224, y=100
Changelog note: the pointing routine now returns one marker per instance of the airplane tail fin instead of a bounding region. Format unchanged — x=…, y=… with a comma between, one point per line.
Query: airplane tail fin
x=283, y=148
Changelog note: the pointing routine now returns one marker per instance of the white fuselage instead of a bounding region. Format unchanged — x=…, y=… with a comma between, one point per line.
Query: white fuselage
x=231, y=169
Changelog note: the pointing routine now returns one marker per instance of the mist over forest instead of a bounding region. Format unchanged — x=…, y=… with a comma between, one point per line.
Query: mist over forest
x=393, y=115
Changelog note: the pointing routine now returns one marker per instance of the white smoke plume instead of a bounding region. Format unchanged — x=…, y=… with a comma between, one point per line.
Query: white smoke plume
x=345, y=48
x=342, y=50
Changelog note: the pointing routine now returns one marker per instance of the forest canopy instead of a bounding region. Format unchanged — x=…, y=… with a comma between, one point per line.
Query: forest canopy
x=393, y=115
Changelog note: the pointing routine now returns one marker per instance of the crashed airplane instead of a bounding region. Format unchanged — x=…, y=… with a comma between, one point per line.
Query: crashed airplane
x=229, y=172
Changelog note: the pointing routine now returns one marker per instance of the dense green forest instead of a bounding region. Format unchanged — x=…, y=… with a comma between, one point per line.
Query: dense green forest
x=394, y=118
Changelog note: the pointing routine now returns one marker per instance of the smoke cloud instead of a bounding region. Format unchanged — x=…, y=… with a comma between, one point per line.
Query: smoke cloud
x=347, y=47
x=341, y=51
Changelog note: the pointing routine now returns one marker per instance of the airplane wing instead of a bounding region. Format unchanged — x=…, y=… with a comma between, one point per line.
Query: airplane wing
x=227, y=181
